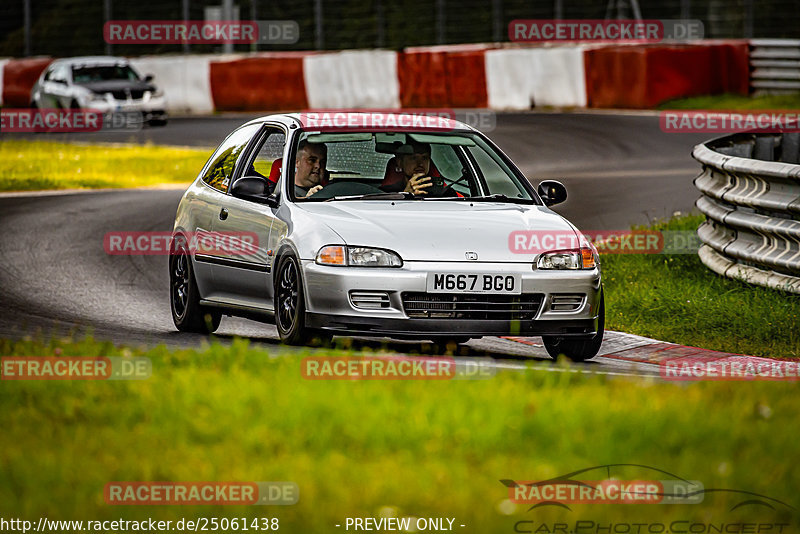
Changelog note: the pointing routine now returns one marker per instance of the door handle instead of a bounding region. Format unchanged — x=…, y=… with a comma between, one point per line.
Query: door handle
x=223, y=214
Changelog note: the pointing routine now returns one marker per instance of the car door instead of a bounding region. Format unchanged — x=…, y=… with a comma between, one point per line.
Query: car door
x=242, y=274
x=207, y=201
x=56, y=90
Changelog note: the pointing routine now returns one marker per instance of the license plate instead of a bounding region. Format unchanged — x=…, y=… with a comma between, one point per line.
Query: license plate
x=507, y=284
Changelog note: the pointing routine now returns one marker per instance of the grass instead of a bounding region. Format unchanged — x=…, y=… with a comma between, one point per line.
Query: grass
x=732, y=102
x=676, y=298
x=35, y=165
x=366, y=448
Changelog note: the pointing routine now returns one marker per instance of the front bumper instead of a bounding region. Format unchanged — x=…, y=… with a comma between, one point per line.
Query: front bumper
x=330, y=306
x=146, y=109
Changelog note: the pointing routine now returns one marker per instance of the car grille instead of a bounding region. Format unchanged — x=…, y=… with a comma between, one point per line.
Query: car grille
x=474, y=307
x=564, y=302
x=370, y=300
x=136, y=94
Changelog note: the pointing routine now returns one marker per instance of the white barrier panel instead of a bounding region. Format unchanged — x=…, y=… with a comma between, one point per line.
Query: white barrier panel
x=184, y=80
x=352, y=79
x=508, y=84
x=521, y=78
x=2, y=67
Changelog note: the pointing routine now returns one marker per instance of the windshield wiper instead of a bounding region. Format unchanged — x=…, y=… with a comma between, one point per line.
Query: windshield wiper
x=501, y=198
x=400, y=195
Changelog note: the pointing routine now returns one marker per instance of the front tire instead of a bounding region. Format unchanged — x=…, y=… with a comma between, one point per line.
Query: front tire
x=578, y=350
x=290, y=306
x=187, y=313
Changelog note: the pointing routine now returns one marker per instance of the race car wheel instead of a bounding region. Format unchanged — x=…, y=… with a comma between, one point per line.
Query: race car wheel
x=290, y=306
x=187, y=313
x=578, y=350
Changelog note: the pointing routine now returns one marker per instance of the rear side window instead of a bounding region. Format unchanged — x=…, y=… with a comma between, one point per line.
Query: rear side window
x=223, y=162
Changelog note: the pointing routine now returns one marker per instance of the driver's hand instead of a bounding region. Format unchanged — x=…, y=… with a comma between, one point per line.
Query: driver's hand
x=418, y=183
x=313, y=190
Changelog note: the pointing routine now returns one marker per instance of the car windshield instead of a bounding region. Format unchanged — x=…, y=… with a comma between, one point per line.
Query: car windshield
x=457, y=165
x=103, y=73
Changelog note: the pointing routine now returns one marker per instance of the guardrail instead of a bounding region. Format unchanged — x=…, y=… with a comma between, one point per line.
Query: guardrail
x=774, y=66
x=751, y=200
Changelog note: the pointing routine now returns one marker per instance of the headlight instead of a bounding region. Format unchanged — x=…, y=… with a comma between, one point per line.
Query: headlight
x=357, y=257
x=158, y=93
x=583, y=258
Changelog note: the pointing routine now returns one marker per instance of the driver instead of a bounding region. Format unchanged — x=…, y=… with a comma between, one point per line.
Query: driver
x=411, y=171
x=309, y=168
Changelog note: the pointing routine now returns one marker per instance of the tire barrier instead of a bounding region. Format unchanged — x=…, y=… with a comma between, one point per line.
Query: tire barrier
x=464, y=76
x=532, y=77
x=450, y=76
x=273, y=82
x=352, y=79
x=751, y=199
x=19, y=76
x=185, y=80
x=644, y=76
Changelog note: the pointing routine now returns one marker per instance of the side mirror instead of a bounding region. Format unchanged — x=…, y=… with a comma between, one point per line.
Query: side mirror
x=254, y=189
x=148, y=78
x=552, y=192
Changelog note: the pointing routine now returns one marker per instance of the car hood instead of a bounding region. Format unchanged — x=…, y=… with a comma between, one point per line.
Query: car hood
x=437, y=230
x=117, y=85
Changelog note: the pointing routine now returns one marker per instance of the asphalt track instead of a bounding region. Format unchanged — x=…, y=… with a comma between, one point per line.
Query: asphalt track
x=620, y=169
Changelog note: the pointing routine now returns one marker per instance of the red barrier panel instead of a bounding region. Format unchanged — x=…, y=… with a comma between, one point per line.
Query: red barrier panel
x=422, y=76
x=438, y=77
x=19, y=76
x=272, y=82
x=645, y=76
x=466, y=79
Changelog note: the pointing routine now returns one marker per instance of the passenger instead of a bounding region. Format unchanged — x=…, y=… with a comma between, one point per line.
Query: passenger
x=309, y=168
x=412, y=171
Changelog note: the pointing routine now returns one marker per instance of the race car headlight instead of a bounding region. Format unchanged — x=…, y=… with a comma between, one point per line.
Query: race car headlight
x=583, y=258
x=357, y=257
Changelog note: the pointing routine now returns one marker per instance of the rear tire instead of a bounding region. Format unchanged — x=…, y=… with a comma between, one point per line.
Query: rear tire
x=290, y=306
x=577, y=349
x=187, y=313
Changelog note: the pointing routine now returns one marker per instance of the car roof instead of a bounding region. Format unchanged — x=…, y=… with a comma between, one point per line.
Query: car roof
x=358, y=118
x=91, y=61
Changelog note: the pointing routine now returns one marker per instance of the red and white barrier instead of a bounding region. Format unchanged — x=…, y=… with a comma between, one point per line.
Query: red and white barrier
x=352, y=79
x=464, y=76
x=261, y=82
x=522, y=78
x=185, y=81
x=2, y=66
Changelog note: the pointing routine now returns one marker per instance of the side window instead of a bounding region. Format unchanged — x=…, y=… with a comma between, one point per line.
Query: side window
x=497, y=178
x=219, y=171
x=451, y=168
x=58, y=74
x=269, y=152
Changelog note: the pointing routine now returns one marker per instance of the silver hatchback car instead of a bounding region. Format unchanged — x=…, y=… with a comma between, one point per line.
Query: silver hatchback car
x=382, y=225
